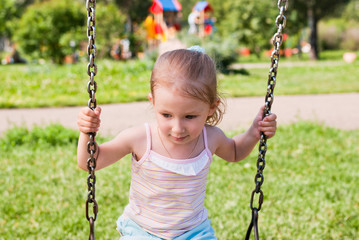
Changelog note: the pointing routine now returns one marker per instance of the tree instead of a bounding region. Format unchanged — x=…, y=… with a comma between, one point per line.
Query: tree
x=9, y=10
x=310, y=12
x=136, y=10
x=46, y=29
x=351, y=12
x=40, y=28
x=110, y=25
x=251, y=22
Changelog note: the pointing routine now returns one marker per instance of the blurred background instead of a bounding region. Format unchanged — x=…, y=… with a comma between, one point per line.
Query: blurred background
x=39, y=31
x=311, y=179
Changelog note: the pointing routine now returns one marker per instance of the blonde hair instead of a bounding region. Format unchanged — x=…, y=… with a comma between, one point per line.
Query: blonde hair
x=195, y=73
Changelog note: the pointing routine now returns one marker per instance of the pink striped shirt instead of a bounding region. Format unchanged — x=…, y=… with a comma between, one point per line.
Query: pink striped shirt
x=164, y=202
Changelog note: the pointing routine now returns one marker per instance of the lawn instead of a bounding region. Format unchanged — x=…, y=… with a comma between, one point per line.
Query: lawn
x=310, y=188
x=53, y=85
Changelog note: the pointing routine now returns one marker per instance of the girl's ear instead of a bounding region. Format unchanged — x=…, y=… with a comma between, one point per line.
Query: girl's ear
x=150, y=97
x=213, y=108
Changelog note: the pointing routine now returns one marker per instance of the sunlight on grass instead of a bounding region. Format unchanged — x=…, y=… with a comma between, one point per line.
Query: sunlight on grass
x=310, y=187
x=51, y=85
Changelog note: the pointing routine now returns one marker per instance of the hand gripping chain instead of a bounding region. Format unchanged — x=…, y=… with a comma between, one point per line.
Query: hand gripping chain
x=259, y=178
x=91, y=89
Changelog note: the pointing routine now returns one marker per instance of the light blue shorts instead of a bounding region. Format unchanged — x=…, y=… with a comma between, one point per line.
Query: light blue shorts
x=132, y=231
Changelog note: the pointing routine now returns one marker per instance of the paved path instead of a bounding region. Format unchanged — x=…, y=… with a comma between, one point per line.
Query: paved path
x=335, y=110
x=288, y=64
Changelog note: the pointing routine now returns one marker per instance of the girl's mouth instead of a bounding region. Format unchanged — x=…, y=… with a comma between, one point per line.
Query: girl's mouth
x=178, y=139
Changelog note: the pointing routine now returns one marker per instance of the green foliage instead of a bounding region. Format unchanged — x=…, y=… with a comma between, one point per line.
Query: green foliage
x=53, y=29
x=331, y=32
x=310, y=189
x=222, y=50
x=10, y=12
x=309, y=13
x=40, y=28
x=138, y=39
x=250, y=24
x=351, y=39
x=351, y=12
x=7, y=9
x=253, y=21
x=338, y=33
x=187, y=6
x=137, y=10
x=110, y=26
x=71, y=40
x=321, y=8
x=50, y=136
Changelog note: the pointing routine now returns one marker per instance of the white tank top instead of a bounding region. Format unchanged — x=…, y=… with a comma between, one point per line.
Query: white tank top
x=167, y=195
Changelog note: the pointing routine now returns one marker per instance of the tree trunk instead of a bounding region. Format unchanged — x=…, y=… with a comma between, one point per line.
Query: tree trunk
x=313, y=22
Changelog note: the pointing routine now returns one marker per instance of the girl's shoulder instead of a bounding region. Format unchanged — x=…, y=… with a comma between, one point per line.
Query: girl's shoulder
x=215, y=136
x=132, y=136
x=213, y=131
x=135, y=138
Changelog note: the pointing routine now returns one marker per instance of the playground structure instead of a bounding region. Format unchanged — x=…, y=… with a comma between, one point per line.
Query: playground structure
x=164, y=22
x=200, y=21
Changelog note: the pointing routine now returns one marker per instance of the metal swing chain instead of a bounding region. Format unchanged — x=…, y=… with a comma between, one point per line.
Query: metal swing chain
x=91, y=89
x=272, y=77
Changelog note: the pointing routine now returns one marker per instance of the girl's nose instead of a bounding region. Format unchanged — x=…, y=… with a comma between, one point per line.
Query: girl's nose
x=177, y=127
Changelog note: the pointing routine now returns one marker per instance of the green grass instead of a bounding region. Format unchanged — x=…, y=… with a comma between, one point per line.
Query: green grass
x=310, y=188
x=318, y=79
x=52, y=85
x=66, y=85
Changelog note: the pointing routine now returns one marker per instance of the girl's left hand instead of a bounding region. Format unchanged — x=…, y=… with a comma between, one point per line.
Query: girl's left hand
x=268, y=125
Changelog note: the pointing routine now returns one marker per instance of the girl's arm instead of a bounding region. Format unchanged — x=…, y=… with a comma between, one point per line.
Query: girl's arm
x=240, y=146
x=109, y=152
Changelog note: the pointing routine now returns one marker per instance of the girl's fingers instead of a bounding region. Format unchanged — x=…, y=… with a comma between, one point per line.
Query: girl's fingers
x=87, y=126
x=92, y=113
x=269, y=134
x=264, y=124
x=271, y=117
x=268, y=128
x=89, y=116
x=90, y=119
x=97, y=111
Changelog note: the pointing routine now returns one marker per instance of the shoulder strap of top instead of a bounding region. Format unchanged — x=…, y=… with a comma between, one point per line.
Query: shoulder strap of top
x=206, y=143
x=205, y=137
x=148, y=135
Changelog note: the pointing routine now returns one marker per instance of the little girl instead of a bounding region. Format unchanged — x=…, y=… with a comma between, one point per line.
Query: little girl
x=171, y=158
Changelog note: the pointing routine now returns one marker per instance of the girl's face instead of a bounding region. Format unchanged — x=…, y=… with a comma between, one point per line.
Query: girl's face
x=180, y=119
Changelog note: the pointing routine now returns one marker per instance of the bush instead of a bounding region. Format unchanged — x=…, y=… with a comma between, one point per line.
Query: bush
x=222, y=50
x=338, y=33
x=330, y=33
x=46, y=29
x=40, y=28
x=52, y=135
x=351, y=39
x=110, y=26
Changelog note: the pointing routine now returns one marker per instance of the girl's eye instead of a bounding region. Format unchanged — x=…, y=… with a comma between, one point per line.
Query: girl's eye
x=191, y=116
x=166, y=115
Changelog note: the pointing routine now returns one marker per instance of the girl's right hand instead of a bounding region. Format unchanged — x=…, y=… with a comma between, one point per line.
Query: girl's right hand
x=88, y=120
